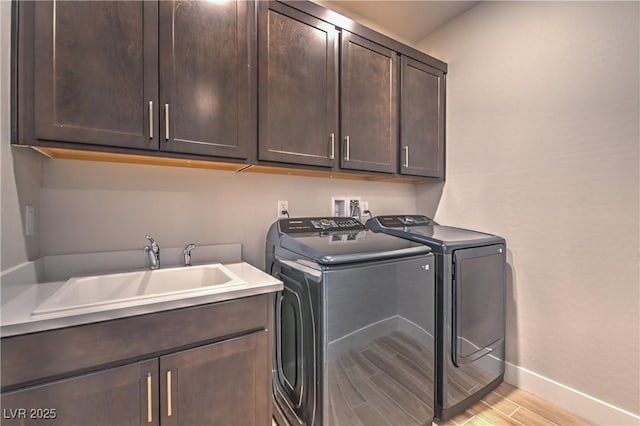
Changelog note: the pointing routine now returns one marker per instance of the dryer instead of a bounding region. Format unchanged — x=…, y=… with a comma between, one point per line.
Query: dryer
x=353, y=326
x=470, y=307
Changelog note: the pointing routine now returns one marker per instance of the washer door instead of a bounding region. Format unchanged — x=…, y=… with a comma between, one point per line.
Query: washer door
x=294, y=351
x=478, y=302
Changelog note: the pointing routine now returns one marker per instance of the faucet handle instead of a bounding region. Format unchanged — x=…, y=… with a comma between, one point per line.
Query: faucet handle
x=187, y=253
x=151, y=240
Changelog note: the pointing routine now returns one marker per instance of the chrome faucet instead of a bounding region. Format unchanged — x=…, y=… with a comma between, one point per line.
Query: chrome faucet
x=187, y=254
x=153, y=250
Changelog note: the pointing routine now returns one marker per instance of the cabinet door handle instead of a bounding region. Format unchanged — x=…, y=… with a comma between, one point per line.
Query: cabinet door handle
x=166, y=121
x=169, y=403
x=406, y=156
x=346, y=148
x=149, y=401
x=150, y=119
x=332, y=140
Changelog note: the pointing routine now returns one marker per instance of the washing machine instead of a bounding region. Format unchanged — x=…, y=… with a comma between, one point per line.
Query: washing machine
x=470, y=307
x=354, y=325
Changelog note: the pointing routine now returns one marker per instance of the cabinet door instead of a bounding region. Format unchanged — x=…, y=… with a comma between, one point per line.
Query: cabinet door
x=298, y=111
x=421, y=119
x=95, y=75
x=226, y=383
x=119, y=396
x=369, y=105
x=206, y=78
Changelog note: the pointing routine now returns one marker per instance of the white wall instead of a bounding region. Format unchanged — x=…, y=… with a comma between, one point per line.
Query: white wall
x=542, y=148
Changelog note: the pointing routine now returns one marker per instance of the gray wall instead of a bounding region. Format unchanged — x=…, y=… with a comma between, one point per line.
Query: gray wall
x=20, y=172
x=91, y=206
x=542, y=148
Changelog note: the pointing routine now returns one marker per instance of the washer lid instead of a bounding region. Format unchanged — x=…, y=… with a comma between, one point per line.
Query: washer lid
x=439, y=237
x=334, y=248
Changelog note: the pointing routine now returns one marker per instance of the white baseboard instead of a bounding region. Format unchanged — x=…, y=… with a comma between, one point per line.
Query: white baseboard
x=586, y=406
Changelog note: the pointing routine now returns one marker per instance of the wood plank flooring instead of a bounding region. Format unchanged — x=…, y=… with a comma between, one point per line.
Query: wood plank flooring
x=390, y=382
x=508, y=405
x=387, y=382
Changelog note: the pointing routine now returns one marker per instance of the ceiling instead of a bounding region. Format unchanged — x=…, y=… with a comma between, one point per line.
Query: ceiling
x=411, y=20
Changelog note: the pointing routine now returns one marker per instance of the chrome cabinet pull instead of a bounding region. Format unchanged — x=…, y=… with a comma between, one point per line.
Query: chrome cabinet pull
x=166, y=121
x=169, y=412
x=149, y=402
x=406, y=156
x=150, y=119
x=332, y=140
x=346, y=148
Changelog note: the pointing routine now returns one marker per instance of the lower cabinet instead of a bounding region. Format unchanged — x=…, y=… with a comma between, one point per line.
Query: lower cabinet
x=219, y=384
x=223, y=381
x=117, y=396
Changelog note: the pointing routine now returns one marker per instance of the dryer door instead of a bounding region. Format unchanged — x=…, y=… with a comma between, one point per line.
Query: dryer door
x=478, y=302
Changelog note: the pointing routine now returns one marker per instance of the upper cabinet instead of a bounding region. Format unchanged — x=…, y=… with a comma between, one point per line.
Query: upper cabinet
x=369, y=105
x=298, y=110
x=93, y=72
x=172, y=76
x=235, y=84
x=205, y=78
x=421, y=119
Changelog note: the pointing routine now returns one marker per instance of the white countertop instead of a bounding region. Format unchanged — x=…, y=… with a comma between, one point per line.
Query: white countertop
x=16, y=315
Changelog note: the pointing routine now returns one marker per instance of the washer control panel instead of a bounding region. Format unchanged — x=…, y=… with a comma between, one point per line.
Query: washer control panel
x=320, y=224
x=405, y=220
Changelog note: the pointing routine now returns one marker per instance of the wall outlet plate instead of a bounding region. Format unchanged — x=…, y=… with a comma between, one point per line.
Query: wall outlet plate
x=283, y=206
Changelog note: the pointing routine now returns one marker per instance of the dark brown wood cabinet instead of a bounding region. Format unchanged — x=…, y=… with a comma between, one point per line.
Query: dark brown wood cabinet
x=369, y=107
x=90, y=72
x=173, y=76
x=257, y=83
x=206, y=78
x=222, y=384
x=422, y=101
x=125, y=396
x=298, y=83
x=203, y=365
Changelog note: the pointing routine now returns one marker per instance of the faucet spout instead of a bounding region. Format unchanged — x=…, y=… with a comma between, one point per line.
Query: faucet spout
x=153, y=250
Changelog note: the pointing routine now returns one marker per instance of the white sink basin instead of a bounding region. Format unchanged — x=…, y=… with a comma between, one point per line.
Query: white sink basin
x=91, y=294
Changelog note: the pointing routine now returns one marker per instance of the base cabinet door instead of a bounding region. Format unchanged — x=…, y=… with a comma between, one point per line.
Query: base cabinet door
x=421, y=119
x=124, y=396
x=225, y=383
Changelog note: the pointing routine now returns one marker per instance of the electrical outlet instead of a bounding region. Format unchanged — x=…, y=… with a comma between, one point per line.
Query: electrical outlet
x=364, y=205
x=29, y=213
x=283, y=206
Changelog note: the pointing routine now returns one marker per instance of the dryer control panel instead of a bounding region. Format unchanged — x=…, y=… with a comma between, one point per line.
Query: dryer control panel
x=319, y=224
x=405, y=220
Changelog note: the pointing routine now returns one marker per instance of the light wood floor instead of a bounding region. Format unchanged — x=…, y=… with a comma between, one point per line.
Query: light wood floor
x=508, y=405
x=389, y=382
